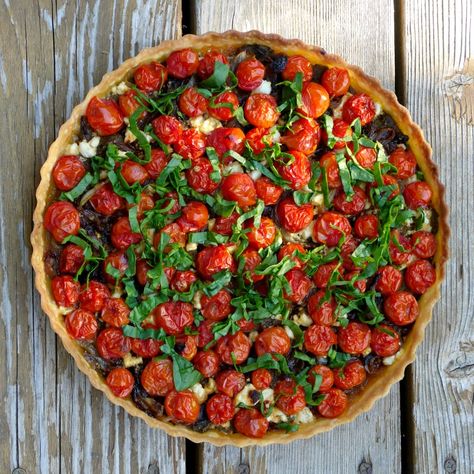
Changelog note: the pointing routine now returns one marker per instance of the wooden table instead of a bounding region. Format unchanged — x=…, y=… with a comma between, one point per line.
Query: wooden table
x=51, y=53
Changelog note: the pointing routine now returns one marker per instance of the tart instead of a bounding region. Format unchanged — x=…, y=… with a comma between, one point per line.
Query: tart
x=240, y=238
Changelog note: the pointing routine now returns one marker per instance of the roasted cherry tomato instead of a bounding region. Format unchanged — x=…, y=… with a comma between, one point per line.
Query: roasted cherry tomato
x=290, y=398
x=212, y=260
x=319, y=339
x=146, y=203
x=194, y=216
x=230, y=382
x=347, y=249
x=315, y=100
x=207, y=63
x=191, y=144
x=141, y=271
x=298, y=172
x=424, y=244
x=401, y=308
x=294, y=218
x=167, y=128
x=300, y=285
x=262, y=236
x=122, y=236
x=326, y=374
x=336, y=81
x=385, y=341
x=350, y=205
x=62, y=219
x=419, y=276
x=268, y=191
x=366, y=157
x=250, y=74
x=321, y=309
x=118, y=261
x=234, y=348
x=404, y=161
x=261, y=379
x=67, y=172
x=388, y=180
x=273, y=340
x=223, y=225
x=205, y=334
x=330, y=227
x=104, y=116
x=341, y=131
x=146, y=347
x=240, y=188
x=93, y=296
x=220, y=409
x=182, y=280
x=192, y=103
x=324, y=273
x=303, y=136
x=133, y=172
x=175, y=233
x=112, y=344
x=182, y=406
x=71, y=259
x=250, y=422
x=360, y=283
x=173, y=316
x=329, y=163
x=252, y=259
x=81, y=325
x=297, y=64
x=216, y=307
x=223, y=139
x=359, y=106
x=115, y=312
x=186, y=346
x=150, y=77
x=223, y=106
x=206, y=362
x=399, y=248
x=105, y=201
x=417, y=194
x=120, y=381
x=352, y=375
x=258, y=138
x=354, y=338
x=290, y=249
x=260, y=110
x=388, y=280
x=129, y=104
x=334, y=403
x=183, y=63
x=367, y=226
x=199, y=176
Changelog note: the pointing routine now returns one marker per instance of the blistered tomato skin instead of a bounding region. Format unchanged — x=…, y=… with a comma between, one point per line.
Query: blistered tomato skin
x=173, y=316
x=290, y=250
x=234, y=348
x=71, y=259
x=273, y=340
x=61, y=219
x=250, y=422
x=112, y=344
x=120, y=381
x=424, y=244
x=220, y=409
x=330, y=227
x=93, y=296
x=315, y=100
x=81, y=325
x=352, y=375
x=105, y=201
x=194, y=217
x=224, y=139
x=263, y=236
x=268, y=191
x=207, y=63
x=206, y=362
x=67, y=172
x=216, y=307
x=261, y=379
x=385, y=340
x=115, y=312
x=294, y=218
x=329, y=163
x=401, y=308
x=230, y=382
x=354, y=339
x=327, y=375
x=388, y=280
x=191, y=144
x=419, y=276
x=223, y=112
x=240, y=188
x=290, y=398
x=192, y=103
x=167, y=128
x=212, y=260
x=150, y=77
x=183, y=63
x=250, y=73
x=300, y=285
x=321, y=309
x=183, y=407
x=334, y=403
x=128, y=104
x=359, y=106
x=122, y=236
x=417, y=194
x=261, y=110
x=319, y=339
x=303, y=136
x=297, y=171
x=199, y=176
x=404, y=161
x=297, y=64
x=336, y=81
x=104, y=116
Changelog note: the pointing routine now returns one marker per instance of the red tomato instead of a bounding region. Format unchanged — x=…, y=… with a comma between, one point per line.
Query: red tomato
x=183, y=63
x=355, y=206
x=250, y=74
x=142, y=270
x=146, y=203
x=173, y=316
x=205, y=334
x=290, y=249
x=146, y=347
x=303, y=136
x=223, y=139
x=81, y=325
x=329, y=163
x=334, y=403
x=117, y=260
x=223, y=225
x=223, y=112
x=258, y=138
x=359, y=284
x=263, y=236
x=194, y=216
x=385, y=341
x=297, y=173
x=404, y=161
x=315, y=100
x=250, y=422
x=230, y=382
x=367, y=226
x=347, y=248
x=157, y=377
x=207, y=63
x=359, y=106
x=297, y=64
x=62, y=219
x=182, y=406
x=388, y=280
x=122, y=236
x=186, y=347
x=120, y=381
x=294, y=218
x=327, y=377
x=133, y=172
x=419, y=276
x=199, y=176
x=220, y=409
x=71, y=259
x=424, y=244
x=336, y=81
x=104, y=116
x=321, y=309
x=105, y=201
x=167, y=128
x=366, y=157
x=234, y=348
x=239, y=187
x=93, y=297
x=273, y=340
x=268, y=191
x=399, y=248
x=354, y=339
x=192, y=103
x=129, y=104
x=330, y=227
x=67, y=172
x=261, y=379
x=341, y=130
x=388, y=180
x=191, y=145
x=319, y=339
x=417, y=194
x=175, y=233
x=401, y=308
x=260, y=110
x=217, y=307
x=206, y=362
x=252, y=260
x=300, y=285
x=115, y=312
x=150, y=77
x=352, y=375
x=182, y=280
x=324, y=272
x=290, y=398
x=212, y=260
x=112, y=344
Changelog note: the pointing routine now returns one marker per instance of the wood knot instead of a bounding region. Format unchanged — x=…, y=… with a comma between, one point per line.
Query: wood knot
x=243, y=469
x=153, y=468
x=459, y=89
x=450, y=465
x=365, y=467
x=19, y=470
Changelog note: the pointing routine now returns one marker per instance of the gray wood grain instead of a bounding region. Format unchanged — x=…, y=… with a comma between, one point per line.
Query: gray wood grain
x=440, y=95
x=51, y=419
x=372, y=443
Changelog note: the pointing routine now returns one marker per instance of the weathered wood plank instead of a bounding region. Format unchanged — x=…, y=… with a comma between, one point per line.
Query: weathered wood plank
x=372, y=442
x=440, y=95
x=51, y=420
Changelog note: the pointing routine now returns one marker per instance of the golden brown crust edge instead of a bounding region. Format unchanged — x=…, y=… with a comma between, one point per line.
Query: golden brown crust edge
x=378, y=385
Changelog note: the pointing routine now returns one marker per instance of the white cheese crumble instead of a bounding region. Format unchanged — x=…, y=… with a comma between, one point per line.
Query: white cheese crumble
x=302, y=319
x=244, y=397
x=120, y=88
x=72, y=149
x=255, y=174
x=337, y=112
x=391, y=359
x=232, y=168
x=200, y=393
x=275, y=134
x=210, y=386
x=197, y=300
x=299, y=237
x=378, y=108
x=277, y=416
x=289, y=332
x=317, y=200
x=253, y=336
x=304, y=416
x=130, y=361
x=264, y=88
x=367, y=351
x=205, y=125
x=88, y=149
x=191, y=247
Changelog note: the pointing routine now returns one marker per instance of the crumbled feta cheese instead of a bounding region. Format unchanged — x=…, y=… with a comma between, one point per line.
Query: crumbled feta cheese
x=317, y=200
x=120, y=88
x=427, y=224
x=253, y=336
x=244, y=397
x=211, y=223
x=289, y=332
x=210, y=386
x=277, y=416
x=197, y=299
x=302, y=318
x=367, y=351
x=200, y=393
x=88, y=149
x=268, y=395
x=129, y=136
x=275, y=134
x=231, y=248
x=117, y=293
x=72, y=149
x=378, y=109
x=337, y=112
x=264, y=88
x=299, y=237
x=390, y=360
x=204, y=125
x=304, y=416
x=196, y=122
x=233, y=167
x=255, y=174
x=191, y=247
x=278, y=240
x=130, y=361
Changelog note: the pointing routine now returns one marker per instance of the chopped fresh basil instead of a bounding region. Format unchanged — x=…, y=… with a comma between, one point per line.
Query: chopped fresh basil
x=79, y=189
